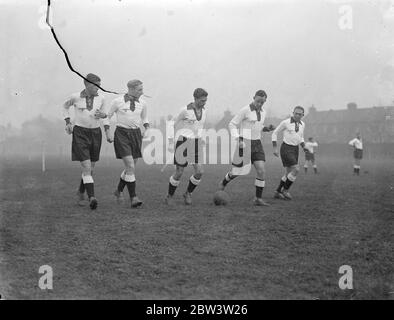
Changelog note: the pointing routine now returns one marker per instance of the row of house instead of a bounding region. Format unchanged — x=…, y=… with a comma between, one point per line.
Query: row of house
x=375, y=124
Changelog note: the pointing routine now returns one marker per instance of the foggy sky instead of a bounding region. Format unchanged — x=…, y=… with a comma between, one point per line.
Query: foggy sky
x=294, y=50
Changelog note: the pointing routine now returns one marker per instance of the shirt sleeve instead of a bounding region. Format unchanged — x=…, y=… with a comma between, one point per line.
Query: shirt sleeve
x=235, y=122
x=280, y=128
x=144, y=114
x=351, y=142
x=181, y=116
x=302, y=134
x=66, y=107
x=113, y=108
x=315, y=144
x=103, y=108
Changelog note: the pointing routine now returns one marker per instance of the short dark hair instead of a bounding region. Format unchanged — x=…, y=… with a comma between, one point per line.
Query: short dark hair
x=199, y=93
x=92, y=78
x=299, y=107
x=260, y=93
x=134, y=83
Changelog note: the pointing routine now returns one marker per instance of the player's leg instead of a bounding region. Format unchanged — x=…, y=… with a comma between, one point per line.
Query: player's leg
x=80, y=152
x=306, y=165
x=259, y=182
x=194, y=181
x=357, y=166
x=88, y=182
x=174, y=182
x=241, y=163
x=180, y=162
x=129, y=178
x=313, y=161
x=290, y=179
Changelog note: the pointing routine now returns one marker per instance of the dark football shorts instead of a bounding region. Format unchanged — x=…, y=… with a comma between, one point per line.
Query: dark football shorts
x=188, y=150
x=289, y=155
x=253, y=151
x=358, y=154
x=86, y=144
x=309, y=156
x=127, y=142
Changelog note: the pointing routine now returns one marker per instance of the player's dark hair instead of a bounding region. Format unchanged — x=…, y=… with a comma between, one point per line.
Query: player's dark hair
x=199, y=93
x=261, y=93
x=299, y=107
x=134, y=83
x=92, y=78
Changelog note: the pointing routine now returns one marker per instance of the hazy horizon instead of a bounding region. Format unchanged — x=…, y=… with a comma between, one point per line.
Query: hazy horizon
x=296, y=51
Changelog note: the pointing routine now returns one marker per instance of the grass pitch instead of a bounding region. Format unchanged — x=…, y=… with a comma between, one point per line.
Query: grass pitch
x=291, y=250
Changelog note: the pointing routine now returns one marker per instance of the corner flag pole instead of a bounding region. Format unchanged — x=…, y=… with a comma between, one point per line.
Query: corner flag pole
x=43, y=155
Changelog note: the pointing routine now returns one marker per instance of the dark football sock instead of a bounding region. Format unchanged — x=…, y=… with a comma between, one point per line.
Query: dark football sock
x=81, y=187
x=89, y=189
x=259, y=192
x=287, y=184
x=281, y=185
x=171, y=189
x=193, y=182
x=121, y=185
x=131, y=188
x=228, y=178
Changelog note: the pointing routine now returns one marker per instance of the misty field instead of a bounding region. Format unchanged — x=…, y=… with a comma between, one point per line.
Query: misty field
x=290, y=250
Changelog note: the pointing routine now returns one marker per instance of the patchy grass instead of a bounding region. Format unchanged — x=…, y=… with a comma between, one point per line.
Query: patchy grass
x=291, y=250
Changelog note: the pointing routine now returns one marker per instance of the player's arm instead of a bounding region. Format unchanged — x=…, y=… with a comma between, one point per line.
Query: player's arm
x=180, y=117
x=66, y=114
x=113, y=108
x=302, y=144
x=234, y=125
x=144, y=118
x=105, y=121
x=274, y=137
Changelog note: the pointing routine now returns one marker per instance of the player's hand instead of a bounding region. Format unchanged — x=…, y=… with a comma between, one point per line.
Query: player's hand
x=269, y=128
x=146, y=133
x=305, y=150
x=241, y=144
x=109, y=138
x=276, y=154
x=99, y=114
x=69, y=128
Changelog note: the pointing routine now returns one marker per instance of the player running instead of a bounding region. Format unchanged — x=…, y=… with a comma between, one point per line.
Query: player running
x=250, y=121
x=293, y=136
x=188, y=148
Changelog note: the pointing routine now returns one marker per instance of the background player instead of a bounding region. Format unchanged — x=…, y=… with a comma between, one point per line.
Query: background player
x=310, y=155
x=357, y=145
x=293, y=136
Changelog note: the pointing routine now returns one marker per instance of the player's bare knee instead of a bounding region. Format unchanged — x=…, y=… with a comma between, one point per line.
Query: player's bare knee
x=178, y=173
x=198, y=175
x=260, y=172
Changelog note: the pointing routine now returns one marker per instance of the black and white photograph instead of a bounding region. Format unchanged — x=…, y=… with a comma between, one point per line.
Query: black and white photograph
x=207, y=152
